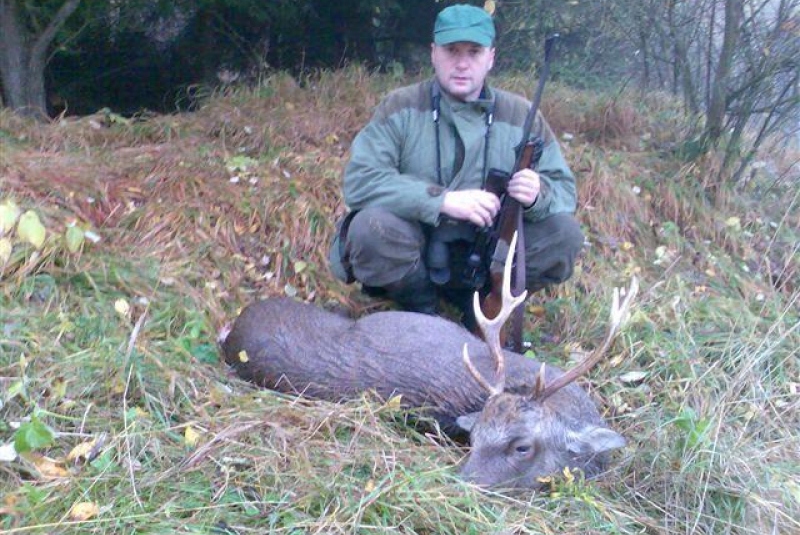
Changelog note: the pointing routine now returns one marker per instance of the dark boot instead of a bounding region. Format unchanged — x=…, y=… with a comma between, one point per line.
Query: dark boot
x=462, y=300
x=415, y=292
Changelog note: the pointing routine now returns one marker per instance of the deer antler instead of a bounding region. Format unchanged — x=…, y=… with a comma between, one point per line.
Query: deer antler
x=491, y=328
x=619, y=314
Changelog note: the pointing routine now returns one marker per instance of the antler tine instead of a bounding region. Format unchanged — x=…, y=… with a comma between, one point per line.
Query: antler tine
x=618, y=316
x=491, y=328
x=493, y=391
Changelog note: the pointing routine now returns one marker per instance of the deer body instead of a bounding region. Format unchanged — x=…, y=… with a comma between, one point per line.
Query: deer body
x=299, y=348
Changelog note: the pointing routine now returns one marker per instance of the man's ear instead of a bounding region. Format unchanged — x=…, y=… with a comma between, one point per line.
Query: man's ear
x=467, y=422
x=593, y=440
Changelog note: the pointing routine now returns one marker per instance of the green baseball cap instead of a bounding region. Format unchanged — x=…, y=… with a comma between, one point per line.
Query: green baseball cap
x=462, y=22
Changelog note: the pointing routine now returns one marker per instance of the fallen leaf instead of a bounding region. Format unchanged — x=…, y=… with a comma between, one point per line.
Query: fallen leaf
x=395, y=402
x=31, y=230
x=5, y=250
x=537, y=310
x=47, y=467
x=633, y=377
x=84, y=511
x=7, y=453
x=122, y=307
x=191, y=436
x=87, y=451
x=9, y=212
x=733, y=223
x=243, y=356
x=74, y=237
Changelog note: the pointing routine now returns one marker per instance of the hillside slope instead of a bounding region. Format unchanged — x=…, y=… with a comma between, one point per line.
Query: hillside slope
x=156, y=230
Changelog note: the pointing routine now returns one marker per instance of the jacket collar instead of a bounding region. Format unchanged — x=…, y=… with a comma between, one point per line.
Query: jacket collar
x=484, y=103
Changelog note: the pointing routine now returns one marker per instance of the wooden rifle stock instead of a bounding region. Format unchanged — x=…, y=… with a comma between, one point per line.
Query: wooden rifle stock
x=509, y=220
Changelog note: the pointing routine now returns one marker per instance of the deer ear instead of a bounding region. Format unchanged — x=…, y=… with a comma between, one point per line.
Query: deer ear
x=594, y=439
x=467, y=422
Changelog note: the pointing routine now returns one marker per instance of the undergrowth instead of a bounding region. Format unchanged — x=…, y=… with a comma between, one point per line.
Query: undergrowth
x=110, y=374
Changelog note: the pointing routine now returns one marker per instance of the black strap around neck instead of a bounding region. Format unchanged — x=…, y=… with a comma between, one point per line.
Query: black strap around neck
x=436, y=100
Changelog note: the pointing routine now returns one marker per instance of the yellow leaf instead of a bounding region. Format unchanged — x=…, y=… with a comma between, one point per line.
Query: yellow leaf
x=118, y=387
x=74, y=238
x=626, y=246
x=243, y=356
x=370, y=486
x=47, y=467
x=84, y=511
x=9, y=212
x=11, y=500
x=122, y=307
x=395, y=402
x=5, y=250
x=31, y=230
x=190, y=436
x=489, y=6
x=734, y=223
x=86, y=451
x=568, y=475
x=537, y=310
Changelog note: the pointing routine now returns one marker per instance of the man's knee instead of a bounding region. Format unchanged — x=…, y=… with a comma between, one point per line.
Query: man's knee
x=552, y=246
x=382, y=247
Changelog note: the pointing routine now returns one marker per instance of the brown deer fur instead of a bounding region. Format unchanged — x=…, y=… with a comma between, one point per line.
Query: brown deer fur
x=293, y=347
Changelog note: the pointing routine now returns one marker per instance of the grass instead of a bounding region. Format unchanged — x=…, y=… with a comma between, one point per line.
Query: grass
x=111, y=347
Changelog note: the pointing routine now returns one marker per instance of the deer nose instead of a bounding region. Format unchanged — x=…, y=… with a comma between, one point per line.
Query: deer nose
x=472, y=471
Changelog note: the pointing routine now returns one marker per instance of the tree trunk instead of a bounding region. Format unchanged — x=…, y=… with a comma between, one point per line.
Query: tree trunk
x=23, y=57
x=719, y=94
x=682, y=72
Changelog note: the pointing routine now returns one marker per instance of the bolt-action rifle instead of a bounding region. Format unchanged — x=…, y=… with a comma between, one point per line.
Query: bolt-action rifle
x=492, y=243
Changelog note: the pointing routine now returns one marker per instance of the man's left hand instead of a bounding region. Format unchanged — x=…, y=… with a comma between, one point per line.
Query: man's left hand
x=524, y=187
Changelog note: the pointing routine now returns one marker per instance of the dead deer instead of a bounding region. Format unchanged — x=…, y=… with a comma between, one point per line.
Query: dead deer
x=531, y=422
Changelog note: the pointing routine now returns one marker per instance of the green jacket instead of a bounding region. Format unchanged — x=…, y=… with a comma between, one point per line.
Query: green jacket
x=393, y=159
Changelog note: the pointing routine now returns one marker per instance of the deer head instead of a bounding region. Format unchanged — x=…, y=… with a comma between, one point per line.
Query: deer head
x=520, y=437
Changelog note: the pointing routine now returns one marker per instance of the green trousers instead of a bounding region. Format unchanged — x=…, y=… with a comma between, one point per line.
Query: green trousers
x=386, y=251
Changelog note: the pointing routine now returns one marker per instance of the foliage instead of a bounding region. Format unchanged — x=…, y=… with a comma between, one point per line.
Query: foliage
x=108, y=358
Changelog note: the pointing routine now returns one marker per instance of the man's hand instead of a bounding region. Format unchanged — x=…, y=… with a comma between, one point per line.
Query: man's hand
x=474, y=205
x=524, y=186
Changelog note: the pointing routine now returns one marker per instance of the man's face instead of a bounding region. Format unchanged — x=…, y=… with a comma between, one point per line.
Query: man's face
x=461, y=68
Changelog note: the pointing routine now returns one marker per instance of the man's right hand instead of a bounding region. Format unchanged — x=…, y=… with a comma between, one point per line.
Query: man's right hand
x=474, y=205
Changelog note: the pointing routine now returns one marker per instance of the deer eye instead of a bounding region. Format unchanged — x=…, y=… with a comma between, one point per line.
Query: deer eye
x=522, y=449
